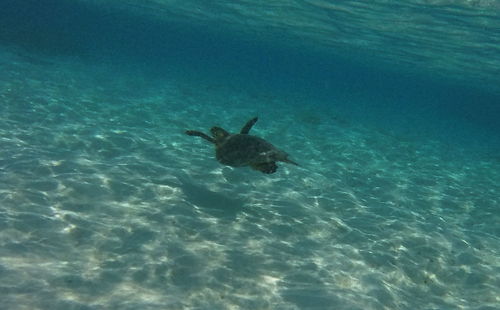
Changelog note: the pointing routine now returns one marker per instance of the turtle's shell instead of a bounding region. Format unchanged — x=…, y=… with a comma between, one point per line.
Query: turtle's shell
x=242, y=150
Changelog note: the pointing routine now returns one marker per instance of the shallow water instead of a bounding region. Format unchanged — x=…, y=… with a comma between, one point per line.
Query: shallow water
x=105, y=203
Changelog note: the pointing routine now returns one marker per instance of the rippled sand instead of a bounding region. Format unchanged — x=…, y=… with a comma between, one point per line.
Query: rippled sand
x=106, y=204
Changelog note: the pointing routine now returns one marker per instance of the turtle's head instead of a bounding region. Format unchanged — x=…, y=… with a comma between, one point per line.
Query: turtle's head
x=219, y=133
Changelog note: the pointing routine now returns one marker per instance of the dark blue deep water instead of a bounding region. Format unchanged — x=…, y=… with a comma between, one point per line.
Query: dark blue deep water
x=105, y=203
x=385, y=94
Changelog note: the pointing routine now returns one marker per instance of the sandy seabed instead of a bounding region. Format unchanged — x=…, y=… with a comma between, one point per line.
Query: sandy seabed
x=105, y=203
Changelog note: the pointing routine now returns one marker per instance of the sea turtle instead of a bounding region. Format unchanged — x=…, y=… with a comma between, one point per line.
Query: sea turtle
x=242, y=149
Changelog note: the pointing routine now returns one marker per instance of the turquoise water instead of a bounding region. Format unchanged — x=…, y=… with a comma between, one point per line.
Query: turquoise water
x=105, y=203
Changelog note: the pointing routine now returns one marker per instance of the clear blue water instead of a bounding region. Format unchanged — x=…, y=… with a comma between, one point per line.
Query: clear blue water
x=105, y=203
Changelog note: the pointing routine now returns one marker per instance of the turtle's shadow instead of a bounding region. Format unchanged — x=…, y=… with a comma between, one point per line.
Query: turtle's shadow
x=214, y=203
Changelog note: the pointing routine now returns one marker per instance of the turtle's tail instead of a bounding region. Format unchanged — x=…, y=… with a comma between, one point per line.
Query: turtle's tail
x=286, y=160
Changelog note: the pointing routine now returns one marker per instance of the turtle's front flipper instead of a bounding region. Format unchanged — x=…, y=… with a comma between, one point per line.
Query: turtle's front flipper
x=248, y=126
x=267, y=168
x=200, y=134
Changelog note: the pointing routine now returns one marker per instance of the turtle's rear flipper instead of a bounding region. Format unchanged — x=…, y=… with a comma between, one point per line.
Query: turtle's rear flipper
x=246, y=129
x=267, y=168
x=200, y=134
